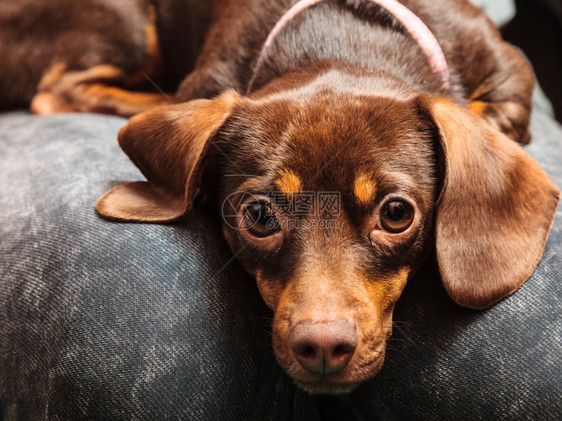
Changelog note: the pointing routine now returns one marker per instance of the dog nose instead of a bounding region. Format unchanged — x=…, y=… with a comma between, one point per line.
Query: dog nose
x=323, y=347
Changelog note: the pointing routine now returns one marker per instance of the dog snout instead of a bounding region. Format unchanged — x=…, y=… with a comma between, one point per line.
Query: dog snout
x=323, y=347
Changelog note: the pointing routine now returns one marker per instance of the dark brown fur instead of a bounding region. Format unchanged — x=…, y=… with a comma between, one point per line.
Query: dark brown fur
x=346, y=104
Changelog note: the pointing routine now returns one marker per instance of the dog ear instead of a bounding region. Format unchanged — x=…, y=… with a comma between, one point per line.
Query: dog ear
x=168, y=145
x=494, y=213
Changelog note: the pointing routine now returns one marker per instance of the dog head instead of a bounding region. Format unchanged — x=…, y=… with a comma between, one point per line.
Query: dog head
x=332, y=199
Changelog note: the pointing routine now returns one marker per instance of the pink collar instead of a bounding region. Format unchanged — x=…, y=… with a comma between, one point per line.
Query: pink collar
x=415, y=27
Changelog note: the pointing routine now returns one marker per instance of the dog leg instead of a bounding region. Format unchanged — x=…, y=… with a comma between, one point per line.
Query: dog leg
x=92, y=90
x=503, y=98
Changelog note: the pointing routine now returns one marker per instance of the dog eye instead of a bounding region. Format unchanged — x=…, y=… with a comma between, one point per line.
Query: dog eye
x=396, y=216
x=259, y=219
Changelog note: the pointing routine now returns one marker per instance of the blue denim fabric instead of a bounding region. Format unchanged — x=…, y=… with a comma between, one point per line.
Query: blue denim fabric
x=111, y=321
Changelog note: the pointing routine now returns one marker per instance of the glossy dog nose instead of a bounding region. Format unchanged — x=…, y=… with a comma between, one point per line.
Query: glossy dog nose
x=323, y=347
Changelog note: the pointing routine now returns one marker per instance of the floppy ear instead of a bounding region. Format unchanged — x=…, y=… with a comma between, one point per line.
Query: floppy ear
x=494, y=213
x=167, y=144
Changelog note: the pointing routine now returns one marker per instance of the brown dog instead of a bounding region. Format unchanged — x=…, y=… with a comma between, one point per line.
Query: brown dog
x=347, y=161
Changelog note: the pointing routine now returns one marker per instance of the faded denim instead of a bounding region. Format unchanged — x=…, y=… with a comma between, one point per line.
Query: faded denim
x=111, y=321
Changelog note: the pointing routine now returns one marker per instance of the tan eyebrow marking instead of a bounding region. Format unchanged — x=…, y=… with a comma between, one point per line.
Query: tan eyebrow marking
x=288, y=182
x=365, y=188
